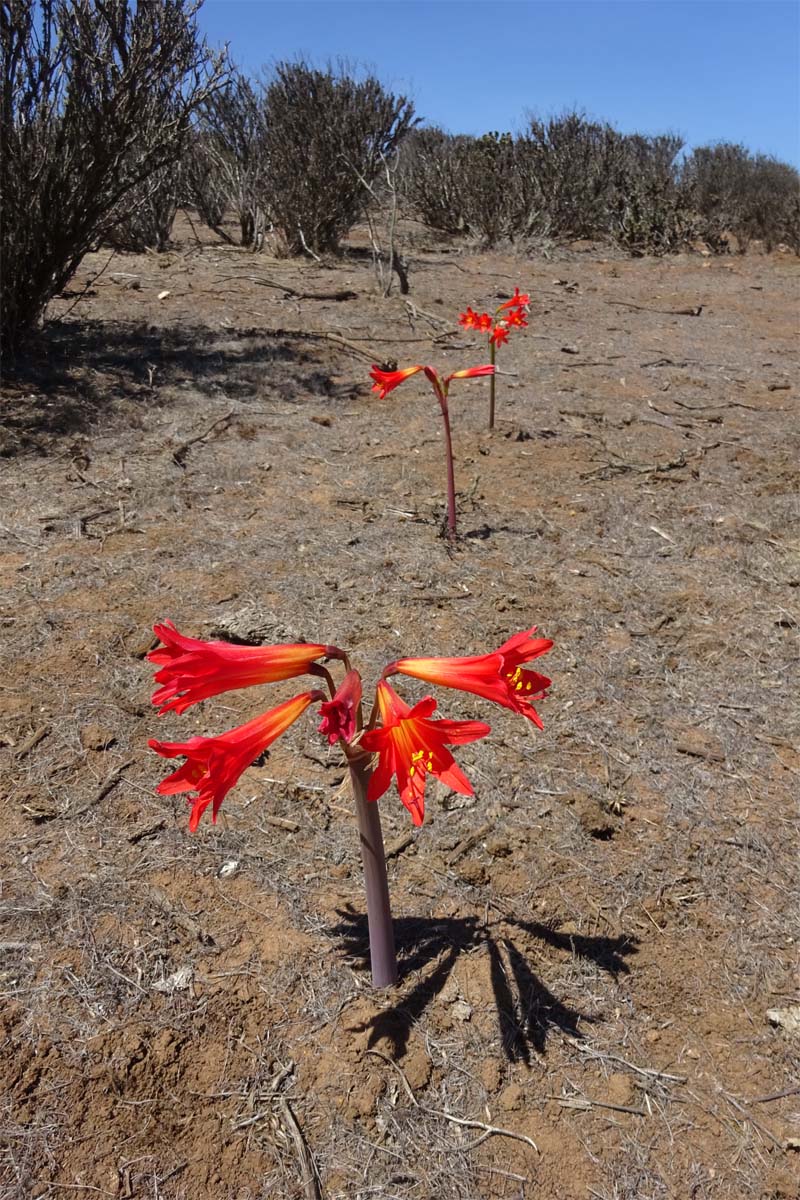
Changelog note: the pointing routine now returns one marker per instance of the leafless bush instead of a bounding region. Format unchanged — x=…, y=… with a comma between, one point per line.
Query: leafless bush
x=432, y=178
x=94, y=100
x=233, y=140
x=327, y=138
x=205, y=183
x=751, y=196
x=490, y=197
x=144, y=219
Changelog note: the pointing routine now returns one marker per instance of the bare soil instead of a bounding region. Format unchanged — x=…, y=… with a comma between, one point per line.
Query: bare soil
x=590, y=946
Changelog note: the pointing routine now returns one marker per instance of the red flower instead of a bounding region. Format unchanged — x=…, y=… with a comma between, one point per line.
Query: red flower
x=412, y=747
x=385, y=381
x=498, y=676
x=339, y=714
x=515, y=318
x=213, y=764
x=192, y=670
x=472, y=320
x=499, y=335
x=518, y=300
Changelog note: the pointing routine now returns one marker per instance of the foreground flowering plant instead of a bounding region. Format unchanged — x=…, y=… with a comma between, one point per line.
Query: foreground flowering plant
x=512, y=314
x=397, y=742
x=385, y=381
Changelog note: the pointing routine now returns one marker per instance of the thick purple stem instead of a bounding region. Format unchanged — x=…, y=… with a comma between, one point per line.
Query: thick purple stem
x=492, y=352
x=379, y=913
x=451, y=480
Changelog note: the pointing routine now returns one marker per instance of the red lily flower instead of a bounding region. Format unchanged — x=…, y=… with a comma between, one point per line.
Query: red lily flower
x=515, y=318
x=498, y=676
x=412, y=747
x=213, y=764
x=499, y=334
x=339, y=714
x=192, y=670
x=518, y=300
x=385, y=381
x=472, y=320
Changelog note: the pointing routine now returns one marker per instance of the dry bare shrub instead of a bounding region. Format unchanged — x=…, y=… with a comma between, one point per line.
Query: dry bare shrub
x=95, y=99
x=204, y=183
x=751, y=196
x=144, y=219
x=328, y=136
x=232, y=140
x=432, y=178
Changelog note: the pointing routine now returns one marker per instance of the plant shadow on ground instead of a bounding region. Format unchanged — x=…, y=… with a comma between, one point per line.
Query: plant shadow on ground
x=526, y=1008
x=80, y=372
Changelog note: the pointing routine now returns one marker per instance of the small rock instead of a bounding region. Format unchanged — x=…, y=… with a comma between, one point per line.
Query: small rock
x=228, y=869
x=787, y=1018
x=461, y=1010
x=178, y=981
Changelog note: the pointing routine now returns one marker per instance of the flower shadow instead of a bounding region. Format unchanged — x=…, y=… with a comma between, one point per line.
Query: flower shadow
x=526, y=1008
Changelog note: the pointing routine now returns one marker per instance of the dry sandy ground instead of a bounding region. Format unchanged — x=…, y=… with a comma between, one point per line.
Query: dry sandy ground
x=589, y=946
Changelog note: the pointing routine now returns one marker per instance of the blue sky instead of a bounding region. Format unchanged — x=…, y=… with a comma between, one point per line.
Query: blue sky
x=710, y=70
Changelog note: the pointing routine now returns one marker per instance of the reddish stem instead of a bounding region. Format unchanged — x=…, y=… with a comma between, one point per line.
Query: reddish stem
x=492, y=351
x=451, y=481
x=379, y=913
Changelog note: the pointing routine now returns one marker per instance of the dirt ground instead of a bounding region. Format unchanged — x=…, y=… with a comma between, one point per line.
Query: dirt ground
x=590, y=946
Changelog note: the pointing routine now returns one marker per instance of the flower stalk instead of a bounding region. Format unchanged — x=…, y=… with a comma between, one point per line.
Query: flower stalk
x=512, y=314
x=383, y=958
x=385, y=381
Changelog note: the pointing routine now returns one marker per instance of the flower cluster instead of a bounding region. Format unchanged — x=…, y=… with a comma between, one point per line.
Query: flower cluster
x=410, y=744
x=512, y=314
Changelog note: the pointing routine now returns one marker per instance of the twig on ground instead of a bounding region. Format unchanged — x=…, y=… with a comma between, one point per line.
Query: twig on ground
x=108, y=783
x=31, y=741
x=179, y=453
x=467, y=1123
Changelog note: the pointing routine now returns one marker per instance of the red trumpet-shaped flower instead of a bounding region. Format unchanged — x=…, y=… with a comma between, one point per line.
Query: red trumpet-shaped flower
x=386, y=381
x=213, y=764
x=518, y=300
x=498, y=676
x=340, y=715
x=411, y=747
x=192, y=670
x=499, y=335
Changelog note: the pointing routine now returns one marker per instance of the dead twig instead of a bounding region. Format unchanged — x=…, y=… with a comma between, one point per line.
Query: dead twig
x=468, y=842
x=179, y=453
x=584, y=1104
x=31, y=741
x=489, y=1130
x=106, y=786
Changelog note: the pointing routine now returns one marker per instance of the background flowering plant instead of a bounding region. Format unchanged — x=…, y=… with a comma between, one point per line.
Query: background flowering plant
x=398, y=741
x=385, y=381
x=512, y=314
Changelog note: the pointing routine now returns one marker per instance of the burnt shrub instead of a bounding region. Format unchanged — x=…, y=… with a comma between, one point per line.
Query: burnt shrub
x=95, y=99
x=230, y=154
x=432, y=178
x=327, y=138
x=750, y=196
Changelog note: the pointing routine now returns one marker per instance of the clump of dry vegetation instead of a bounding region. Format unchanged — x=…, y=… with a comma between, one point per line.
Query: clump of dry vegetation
x=95, y=101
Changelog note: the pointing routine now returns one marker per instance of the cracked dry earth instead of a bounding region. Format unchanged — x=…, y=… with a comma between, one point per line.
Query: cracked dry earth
x=591, y=945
